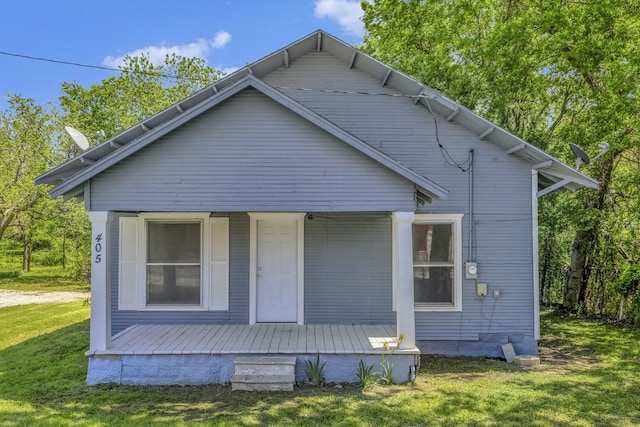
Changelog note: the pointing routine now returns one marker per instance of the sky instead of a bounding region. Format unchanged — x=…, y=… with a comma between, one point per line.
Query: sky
x=228, y=34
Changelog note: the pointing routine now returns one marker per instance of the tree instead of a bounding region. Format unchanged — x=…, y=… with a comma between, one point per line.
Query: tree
x=32, y=140
x=141, y=90
x=106, y=109
x=549, y=72
x=25, y=144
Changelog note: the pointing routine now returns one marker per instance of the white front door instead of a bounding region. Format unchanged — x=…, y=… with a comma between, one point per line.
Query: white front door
x=277, y=271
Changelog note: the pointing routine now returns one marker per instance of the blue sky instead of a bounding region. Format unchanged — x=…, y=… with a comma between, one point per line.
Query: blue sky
x=227, y=33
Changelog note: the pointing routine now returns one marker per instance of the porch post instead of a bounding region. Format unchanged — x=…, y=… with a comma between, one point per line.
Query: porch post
x=403, y=277
x=100, y=325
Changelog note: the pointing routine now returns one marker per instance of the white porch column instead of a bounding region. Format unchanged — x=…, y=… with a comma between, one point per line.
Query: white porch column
x=403, y=276
x=100, y=329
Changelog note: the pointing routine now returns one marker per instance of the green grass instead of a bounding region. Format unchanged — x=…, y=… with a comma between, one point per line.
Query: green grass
x=589, y=377
x=43, y=278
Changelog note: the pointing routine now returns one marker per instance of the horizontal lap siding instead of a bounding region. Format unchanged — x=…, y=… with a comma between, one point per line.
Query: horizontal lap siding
x=348, y=269
x=339, y=286
x=238, y=286
x=502, y=188
x=250, y=154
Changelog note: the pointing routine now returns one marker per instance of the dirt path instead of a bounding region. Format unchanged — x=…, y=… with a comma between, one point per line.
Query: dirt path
x=9, y=298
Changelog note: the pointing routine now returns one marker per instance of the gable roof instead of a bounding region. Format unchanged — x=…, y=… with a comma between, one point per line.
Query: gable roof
x=69, y=177
x=427, y=188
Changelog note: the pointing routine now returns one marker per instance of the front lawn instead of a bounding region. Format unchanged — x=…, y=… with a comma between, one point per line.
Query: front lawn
x=589, y=377
x=41, y=278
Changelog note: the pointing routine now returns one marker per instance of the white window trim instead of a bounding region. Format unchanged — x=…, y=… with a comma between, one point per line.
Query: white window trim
x=456, y=221
x=205, y=256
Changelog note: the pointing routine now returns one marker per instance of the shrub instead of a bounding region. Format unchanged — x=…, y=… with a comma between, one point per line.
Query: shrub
x=365, y=374
x=10, y=274
x=315, y=371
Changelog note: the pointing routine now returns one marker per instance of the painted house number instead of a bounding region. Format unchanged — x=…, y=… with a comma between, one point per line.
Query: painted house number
x=98, y=249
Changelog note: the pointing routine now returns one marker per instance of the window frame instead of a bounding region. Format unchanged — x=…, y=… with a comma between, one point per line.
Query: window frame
x=455, y=220
x=205, y=252
x=147, y=263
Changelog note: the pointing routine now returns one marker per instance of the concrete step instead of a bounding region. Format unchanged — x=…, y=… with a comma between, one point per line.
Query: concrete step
x=264, y=374
x=265, y=365
x=264, y=370
x=262, y=382
x=265, y=360
x=527, y=360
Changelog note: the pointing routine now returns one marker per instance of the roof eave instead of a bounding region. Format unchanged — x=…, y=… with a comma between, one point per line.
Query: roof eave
x=319, y=40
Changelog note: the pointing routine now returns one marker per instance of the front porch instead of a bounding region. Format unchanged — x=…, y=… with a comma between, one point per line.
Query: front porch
x=205, y=354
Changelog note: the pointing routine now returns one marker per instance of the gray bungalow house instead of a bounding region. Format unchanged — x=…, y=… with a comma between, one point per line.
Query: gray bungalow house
x=316, y=201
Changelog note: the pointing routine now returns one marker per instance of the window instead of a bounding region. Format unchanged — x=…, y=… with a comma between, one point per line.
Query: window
x=174, y=261
x=437, y=260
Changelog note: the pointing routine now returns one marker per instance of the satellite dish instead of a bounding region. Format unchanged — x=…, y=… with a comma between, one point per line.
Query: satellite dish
x=77, y=136
x=582, y=158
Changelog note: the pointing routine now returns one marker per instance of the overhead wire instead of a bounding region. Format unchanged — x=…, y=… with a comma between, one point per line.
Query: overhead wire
x=101, y=67
x=464, y=166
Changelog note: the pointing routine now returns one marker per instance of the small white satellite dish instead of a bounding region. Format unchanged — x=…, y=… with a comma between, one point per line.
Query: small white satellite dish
x=582, y=158
x=77, y=136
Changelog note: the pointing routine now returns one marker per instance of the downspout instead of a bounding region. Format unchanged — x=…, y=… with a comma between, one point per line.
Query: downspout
x=536, y=256
x=471, y=226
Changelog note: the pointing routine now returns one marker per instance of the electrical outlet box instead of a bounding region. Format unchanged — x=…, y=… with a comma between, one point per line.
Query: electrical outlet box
x=496, y=293
x=481, y=289
x=471, y=270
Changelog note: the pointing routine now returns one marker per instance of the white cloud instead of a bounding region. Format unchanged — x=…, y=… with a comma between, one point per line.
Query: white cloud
x=227, y=70
x=201, y=48
x=347, y=13
x=220, y=40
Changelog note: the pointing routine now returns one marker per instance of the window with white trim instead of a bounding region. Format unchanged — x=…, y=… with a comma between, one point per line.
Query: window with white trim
x=437, y=262
x=173, y=261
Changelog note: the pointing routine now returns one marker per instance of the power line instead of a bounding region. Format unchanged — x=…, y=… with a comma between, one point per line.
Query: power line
x=464, y=166
x=119, y=70
x=55, y=61
x=100, y=67
x=350, y=92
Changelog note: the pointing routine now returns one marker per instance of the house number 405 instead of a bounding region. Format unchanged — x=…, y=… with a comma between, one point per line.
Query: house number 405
x=98, y=249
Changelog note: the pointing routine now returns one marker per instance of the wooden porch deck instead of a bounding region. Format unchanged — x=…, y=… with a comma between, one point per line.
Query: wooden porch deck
x=253, y=339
